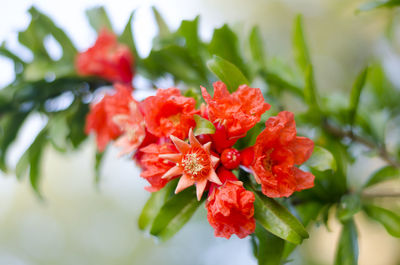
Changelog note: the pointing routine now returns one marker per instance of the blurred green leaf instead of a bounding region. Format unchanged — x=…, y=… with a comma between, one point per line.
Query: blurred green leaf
x=300, y=49
x=98, y=19
x=388, y=219
x=310, y=91
x=257, y=48
x=356, y=93
x=127, y=37
x=225, y=44
x=321, y=159
x=227, y=73
x=58, y=132
x=379, y=4
x=383, y=174
x=276, y=218
x=347, y=251
x=154, y=204
x=163, y=29
x=97, y=165
x=203, y=126
x=269, y=248
x=280, y=82
x=349, y=205
x=174, y=214
x=10, y=55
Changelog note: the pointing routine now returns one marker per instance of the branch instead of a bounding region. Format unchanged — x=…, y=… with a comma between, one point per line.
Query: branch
x=383, y=153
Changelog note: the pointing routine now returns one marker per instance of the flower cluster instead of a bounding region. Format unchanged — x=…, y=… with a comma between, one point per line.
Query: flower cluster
x=159, y=134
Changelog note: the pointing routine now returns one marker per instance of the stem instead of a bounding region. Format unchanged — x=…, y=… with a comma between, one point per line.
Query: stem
x=383, y=153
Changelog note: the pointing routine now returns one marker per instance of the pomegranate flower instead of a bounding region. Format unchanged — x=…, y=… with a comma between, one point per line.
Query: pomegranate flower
x=107, y=59
x=230, y=207
x=169, y=113
x=100, y=117
x=237, y=112
x=194, y=162
x=276, y=152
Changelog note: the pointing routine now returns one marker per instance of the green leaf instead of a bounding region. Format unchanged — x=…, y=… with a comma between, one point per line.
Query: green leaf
x=127, y=37
x=203, y=126
x=356, y=93
x=154, y=204
x=276, y=218
x=379, y=4
x=310, y=91
x=58, y=132
x=388, y=219
x=174, y=214
x=269, y=247
x=10, y=55
x=225, y=44
x=227, y=73
x=97, y=166
x=300, y=49
x=383, y=174
x=321, y=160
x=349, y=205
x=98, y=19
x=257, y=47
x=347, y=252
x=277, y=80
x=163, y=29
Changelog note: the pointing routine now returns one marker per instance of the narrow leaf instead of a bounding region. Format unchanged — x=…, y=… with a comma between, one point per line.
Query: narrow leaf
x=257, y=47
x=227, y=73
x=383, y=174
x=388, y=219
x=321, y=159
x=277, y=219
x=356, y=93
x=347, y=252
x=379, y=4
x=97, y=166
x=300, y=49
x=310, y=92
x=203, y=126
x=174, y=214
x=127, y=37
x=163, y=29
x=98, y=18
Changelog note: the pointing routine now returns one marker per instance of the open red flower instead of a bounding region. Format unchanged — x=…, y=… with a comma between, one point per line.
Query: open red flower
x=107, y=59
x=169, y=113
x=237, y=112
x=230, y=207
x=276, y=152
x=155, y=167
x=100, y=117
x=194, y=163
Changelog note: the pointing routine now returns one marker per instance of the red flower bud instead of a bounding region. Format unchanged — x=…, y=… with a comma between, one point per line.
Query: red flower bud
x=230, y=158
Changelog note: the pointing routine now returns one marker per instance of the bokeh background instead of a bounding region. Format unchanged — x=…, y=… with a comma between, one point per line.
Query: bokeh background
x=81, y=224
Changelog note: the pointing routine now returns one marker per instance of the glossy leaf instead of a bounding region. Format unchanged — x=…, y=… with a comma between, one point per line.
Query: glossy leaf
x=225, y=44
x=277, y=219
x=349, y=205
x=269, y=248
x=174, y=214
x=300, y=48
x=356, y=93
x=203, y=126
x=257, y=47
x=383, y=174
x=389, y=219
x=98, y=18
x=347, y=251
x=227, y=73
x=321, y=159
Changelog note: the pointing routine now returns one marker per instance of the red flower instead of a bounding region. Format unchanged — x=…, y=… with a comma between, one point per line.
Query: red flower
x=237, y=112
x=230, y=207
x=100, y=117
x=276, y=152
x=155, y=167
x=169, y=113
x=107, y=59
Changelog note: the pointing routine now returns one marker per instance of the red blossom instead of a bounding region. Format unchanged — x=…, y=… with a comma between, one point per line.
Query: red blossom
x=237, y=112
x=276, y=152
x=100, y=117
x=230, y=207
x=169, y=113
x=107, y=59
x=155, y=167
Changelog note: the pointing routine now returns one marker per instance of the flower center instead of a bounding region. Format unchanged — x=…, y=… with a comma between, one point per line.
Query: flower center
x=175, y=119
x=267, y=161
x=196, y=163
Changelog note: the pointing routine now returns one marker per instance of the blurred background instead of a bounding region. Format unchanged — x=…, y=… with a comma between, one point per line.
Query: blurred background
x=78, y=223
